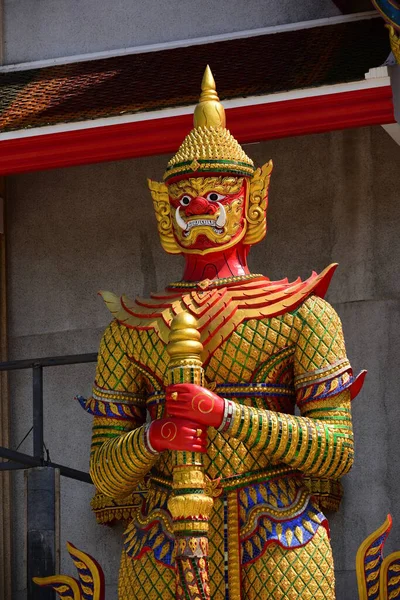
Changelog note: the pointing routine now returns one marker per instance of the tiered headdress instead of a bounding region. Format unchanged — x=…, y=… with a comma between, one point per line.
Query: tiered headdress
x=210, y=150
x=209, y=147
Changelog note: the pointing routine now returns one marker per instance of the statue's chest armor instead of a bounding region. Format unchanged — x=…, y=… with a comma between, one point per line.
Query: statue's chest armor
x=254, y=366
x=243, y=326
x=251, y=364
x=257, y=351
x=249, y=331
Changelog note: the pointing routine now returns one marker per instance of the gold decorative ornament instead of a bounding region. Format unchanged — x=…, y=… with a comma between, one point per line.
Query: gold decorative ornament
x=199, y=400
x=394, y=42
x=200, y=186
x=90, y=582
x=206, y=284
x=169, y=431
x=184, y=341
x=189, y=501
x=257, y=205
x=209, y=147
x=162, y=208
x=209, y=112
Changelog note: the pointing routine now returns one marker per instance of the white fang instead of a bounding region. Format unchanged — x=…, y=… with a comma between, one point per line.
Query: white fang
x=220, y=222
x=179, y=220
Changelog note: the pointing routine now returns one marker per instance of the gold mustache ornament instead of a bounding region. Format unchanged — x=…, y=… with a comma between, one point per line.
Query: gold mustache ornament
x=219, y=230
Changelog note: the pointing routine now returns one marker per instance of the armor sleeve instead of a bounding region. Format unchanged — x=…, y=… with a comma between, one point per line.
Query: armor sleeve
x=120, y=454
x=320, y=441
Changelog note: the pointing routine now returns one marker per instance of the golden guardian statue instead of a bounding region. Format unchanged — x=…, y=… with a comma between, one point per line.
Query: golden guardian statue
x=195, y=396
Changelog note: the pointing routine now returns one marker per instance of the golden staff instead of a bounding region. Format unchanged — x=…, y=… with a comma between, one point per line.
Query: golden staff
x=190, y=507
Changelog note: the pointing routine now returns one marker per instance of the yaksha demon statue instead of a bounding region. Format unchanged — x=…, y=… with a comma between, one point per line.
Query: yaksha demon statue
x=195, y=395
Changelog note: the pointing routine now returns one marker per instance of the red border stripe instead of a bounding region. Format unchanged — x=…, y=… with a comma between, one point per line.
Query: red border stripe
x=301, y=116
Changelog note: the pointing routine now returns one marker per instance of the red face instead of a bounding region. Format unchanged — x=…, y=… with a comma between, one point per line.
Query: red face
x=208, y=213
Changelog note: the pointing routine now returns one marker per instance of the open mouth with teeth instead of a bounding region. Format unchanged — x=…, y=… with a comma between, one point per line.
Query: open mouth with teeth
x=217, y=224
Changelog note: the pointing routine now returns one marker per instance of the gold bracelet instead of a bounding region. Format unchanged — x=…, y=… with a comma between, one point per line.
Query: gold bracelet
x=284, y=437
x=294, y=440
x=320, y=460
x=313, y=449
x=338, y=458
x=264, y=433
x=246, y=423
x=297, y=462
x=255, y=418
x=236, y=419
x=274, y=433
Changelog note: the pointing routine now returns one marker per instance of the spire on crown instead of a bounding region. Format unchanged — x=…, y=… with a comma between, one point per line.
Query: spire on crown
x=209, y=147
x=209, y=112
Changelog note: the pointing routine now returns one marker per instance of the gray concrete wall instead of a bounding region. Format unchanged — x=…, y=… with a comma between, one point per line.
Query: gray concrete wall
x=334, y=197
x=51, y=28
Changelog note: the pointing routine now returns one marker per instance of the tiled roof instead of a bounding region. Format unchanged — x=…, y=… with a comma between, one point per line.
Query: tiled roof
x=250, y=66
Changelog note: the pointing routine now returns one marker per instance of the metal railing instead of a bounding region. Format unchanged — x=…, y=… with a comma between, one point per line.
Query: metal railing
x=18, y=460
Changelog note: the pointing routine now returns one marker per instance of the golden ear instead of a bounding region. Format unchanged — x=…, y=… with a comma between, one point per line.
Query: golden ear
x=159, y=193
x=257, y=205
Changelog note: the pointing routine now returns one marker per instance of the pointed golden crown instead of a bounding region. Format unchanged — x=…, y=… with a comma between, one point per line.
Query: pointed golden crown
x=209, y=147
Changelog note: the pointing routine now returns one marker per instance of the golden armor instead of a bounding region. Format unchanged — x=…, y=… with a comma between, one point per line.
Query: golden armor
x=266, y=348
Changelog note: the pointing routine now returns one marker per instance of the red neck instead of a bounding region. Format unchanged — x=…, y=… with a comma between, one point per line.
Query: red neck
x=217, y=265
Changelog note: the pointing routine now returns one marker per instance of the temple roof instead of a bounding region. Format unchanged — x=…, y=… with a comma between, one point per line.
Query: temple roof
x=149, y=81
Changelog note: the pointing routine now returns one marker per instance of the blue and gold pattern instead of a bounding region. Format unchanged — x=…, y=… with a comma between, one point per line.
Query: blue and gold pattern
x=105, y=407
x=90, y=585
x=369, y=561
x=279, y=511
x=154, y=538
x=378, y=578
x=151, y=528
x=390, y=576
x=390, y=11
x=276, y=511
x=326, y=389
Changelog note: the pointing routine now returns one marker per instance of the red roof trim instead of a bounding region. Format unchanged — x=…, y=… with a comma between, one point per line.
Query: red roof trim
x=253, y=123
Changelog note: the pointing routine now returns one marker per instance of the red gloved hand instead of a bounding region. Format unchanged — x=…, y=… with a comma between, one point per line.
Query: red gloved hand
x=195, y=403
x=177, y=434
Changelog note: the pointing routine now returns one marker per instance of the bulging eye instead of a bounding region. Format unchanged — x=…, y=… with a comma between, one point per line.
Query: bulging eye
x=185, y=200
x=214, y=197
